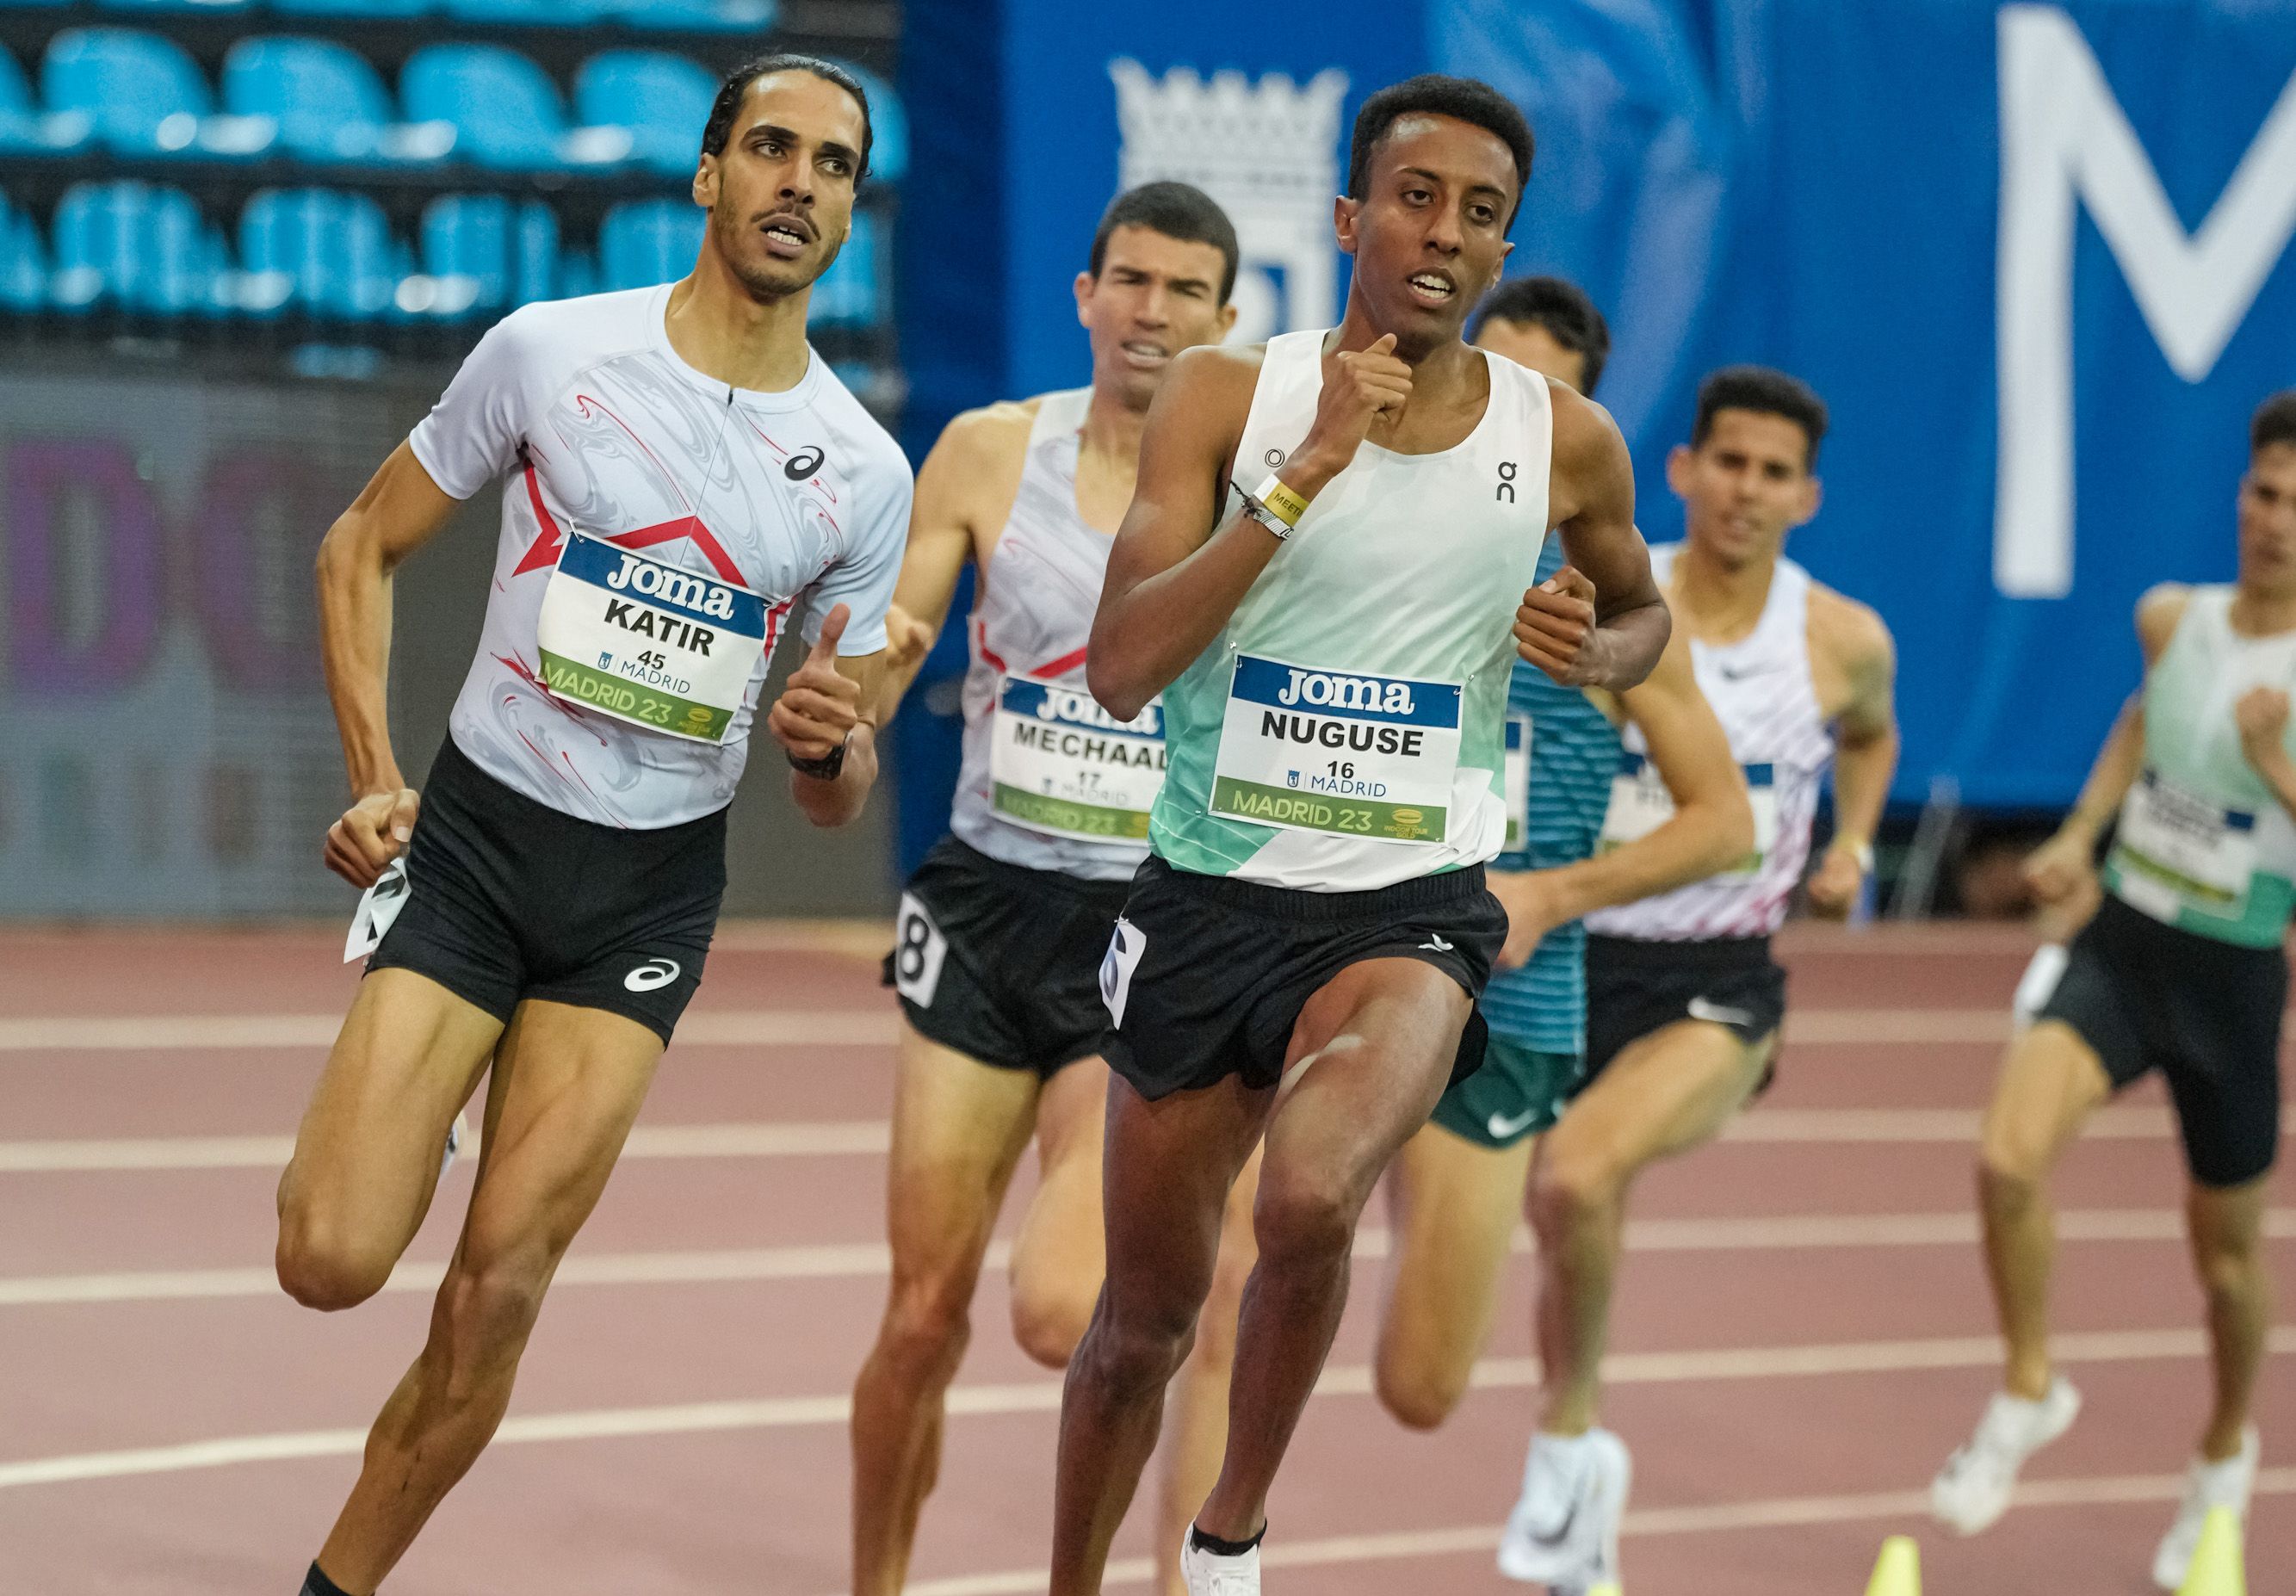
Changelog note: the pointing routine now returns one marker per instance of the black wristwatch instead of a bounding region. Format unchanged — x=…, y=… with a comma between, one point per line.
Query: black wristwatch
x=827, y=768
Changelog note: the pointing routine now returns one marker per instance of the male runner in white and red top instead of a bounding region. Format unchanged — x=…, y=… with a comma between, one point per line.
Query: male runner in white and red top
x=686, y=472
x=1684, y=1001
x=1002, y=928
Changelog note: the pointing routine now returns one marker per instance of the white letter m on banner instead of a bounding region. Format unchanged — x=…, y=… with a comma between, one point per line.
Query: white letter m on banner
x=2063, y=137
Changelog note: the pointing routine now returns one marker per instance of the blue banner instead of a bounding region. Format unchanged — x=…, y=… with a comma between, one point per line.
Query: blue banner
x=2034, y=257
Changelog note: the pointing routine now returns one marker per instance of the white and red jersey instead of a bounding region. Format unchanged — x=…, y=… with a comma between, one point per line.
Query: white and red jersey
x=1764, y=695
x=800, y=497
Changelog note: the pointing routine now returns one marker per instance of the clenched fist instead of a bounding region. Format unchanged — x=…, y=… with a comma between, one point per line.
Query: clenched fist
x=1556, y=629
x=371, y=834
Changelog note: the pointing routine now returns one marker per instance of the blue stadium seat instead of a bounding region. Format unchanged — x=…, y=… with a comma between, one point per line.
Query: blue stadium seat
x=137, y=246
x=578, y=274
x=328, y=103
x=663, y=100
x=327, y=253
x=355, y=8
x=645, y=242
x=180, y=7
x=528, y=14
x=510, y=253
x=23, y=262
x=145, y=95
x=23, y=129
x=697, y=16
x=849, y=292
x=508, y=113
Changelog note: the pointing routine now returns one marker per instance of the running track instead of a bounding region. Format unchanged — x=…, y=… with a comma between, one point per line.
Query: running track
x=1803, y=1330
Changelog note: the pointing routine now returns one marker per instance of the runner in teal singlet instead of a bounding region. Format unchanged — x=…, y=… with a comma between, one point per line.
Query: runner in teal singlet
x=2182, y=971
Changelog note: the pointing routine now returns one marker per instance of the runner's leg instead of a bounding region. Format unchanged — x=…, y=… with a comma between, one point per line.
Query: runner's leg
x=1195, y=1427
x=959, y=1128
x=2051, y=1081
x=567, y=1083
x=1455, y=1207
x=1382, y=1035
x=1664, y=1094
x=367, y=1157
x=1060, y=1253
x=2227, y=1228
x=1170, y=1164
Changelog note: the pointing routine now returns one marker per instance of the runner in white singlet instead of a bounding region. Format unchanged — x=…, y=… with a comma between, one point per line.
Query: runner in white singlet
x=687, y=473
x=1684, y=1001
x=1001, y=929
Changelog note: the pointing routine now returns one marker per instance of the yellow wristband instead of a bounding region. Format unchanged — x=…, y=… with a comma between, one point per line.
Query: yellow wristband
x=1282, y=500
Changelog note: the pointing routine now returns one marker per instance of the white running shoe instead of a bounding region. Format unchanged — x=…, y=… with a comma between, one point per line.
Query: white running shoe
x=1972, y=1490
x=457, y=1134
x=2206, y=1486
x=1564, y=1529
x=1208, y=1574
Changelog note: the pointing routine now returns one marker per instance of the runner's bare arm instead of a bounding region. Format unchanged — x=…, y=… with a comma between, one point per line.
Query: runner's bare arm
x=819, y=712
x=1711, y=828
x=1175, y=576
x=1622, y=630
x=398, y=511
x=971, y=469
x=1866, y=753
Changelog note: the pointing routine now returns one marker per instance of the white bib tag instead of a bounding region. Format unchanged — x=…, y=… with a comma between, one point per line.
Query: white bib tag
x=1338, y=751
x=1059, y=763
x=646, y=642
x=2175, y=847
x=1518, y=779
x=378, y=907
x=1640, y=804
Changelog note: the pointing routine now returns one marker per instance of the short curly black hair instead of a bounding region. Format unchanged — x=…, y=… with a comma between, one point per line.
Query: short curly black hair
x=1436, y=94
x=736, y=83
x=1765, y=391
x=2274, y=422
x=1557, y=305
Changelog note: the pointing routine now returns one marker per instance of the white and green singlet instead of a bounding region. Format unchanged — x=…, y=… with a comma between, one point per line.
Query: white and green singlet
x=1345, y=730
x=2202, y=843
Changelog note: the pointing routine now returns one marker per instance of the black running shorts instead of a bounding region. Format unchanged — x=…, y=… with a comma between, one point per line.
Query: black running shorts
x=1634, y=987
x=2206, y=1014
x=509, y=899
x=1205, y=976
x=1002, y=963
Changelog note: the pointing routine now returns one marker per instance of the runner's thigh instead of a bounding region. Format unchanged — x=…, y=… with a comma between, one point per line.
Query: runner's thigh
x=1664, y=1094
x=366, y=1157
x=1457, y=1206
x=2051, y=1081
x=959, y=1128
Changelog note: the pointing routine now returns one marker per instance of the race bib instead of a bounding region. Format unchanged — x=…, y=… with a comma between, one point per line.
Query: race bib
x=2174, y=846
x=646, y=642
x=1059, y=763
x=1640, y=804
x=1356, y=755
x=1517, y=780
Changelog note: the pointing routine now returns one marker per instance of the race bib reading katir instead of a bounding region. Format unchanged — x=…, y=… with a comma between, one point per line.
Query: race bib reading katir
x=1057, y=763
x=646, y=642
x=1640, y=804
x=1338, y=751
x=2176, y=846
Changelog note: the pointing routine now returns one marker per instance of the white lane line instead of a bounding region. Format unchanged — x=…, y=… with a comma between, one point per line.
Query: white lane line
x=872, y=1027
x=1639, y=1524
x=1043, y=1396
x=872, y=1259
x=144, y=1033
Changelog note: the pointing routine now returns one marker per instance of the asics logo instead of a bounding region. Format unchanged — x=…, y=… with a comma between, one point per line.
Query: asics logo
x=652, y=973
x=1436, y=944
x=1717, y=1014
x=1501, y=1127
x=802, y=464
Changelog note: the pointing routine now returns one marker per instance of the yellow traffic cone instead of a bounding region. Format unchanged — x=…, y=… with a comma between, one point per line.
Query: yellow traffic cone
x=1898, y=1573
x=2216, y=1569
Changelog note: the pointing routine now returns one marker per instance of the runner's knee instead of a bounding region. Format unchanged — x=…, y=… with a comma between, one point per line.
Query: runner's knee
x=323, y=1266
x=1305, y=1214
x=2014, y=1160
x=1572, y=1187
x=1049, y=1318
x=1415, y=1386
x=490, y=1300
x=1139, y=1348
x=2230, y=1263
x=929, y=1320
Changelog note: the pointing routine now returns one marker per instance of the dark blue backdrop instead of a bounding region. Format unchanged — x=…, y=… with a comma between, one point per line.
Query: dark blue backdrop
x=1804, y=183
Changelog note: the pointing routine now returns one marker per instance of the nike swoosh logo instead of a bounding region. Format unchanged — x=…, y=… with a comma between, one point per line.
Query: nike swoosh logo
x=1502, y=1127
x=1437, y=945
x=1716, y=1014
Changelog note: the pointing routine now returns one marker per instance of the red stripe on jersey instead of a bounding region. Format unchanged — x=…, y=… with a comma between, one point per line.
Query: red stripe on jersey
x=1060, y=666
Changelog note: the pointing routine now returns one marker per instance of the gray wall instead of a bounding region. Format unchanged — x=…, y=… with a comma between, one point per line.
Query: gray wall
x=166, y=746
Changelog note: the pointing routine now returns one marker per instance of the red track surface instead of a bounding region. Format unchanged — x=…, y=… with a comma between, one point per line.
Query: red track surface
x=135, y=1316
